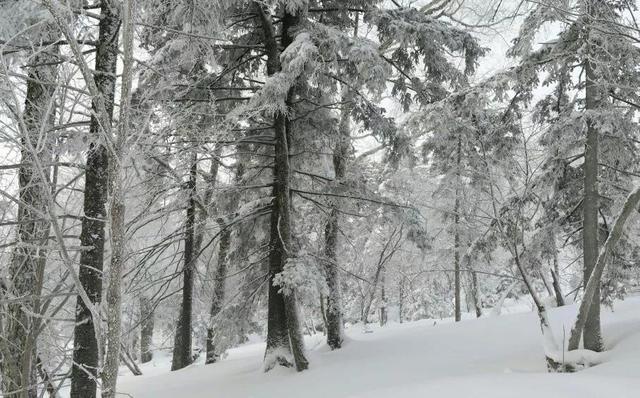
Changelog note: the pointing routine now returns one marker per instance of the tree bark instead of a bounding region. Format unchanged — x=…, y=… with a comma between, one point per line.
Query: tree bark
x=26, y=268
x=383, y=298
x=146, y=330
x=218, y=293
x=456, y=238
x=590, y=205
x=475, y=292
x=117, y=214
x=555, y=272
x=335, y=333
x=182, y=345
x=284, y=336
x=85, y=354
x=557, y=289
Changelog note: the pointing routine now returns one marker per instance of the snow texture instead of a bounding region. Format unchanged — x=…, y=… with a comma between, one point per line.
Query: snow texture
x=490, y=357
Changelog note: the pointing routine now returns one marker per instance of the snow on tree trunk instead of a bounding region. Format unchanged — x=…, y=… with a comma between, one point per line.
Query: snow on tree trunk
x=334, y=317
x=285, y=345
x=590, y=206
x=117, y=213
x=26, y=268
x=86, y=352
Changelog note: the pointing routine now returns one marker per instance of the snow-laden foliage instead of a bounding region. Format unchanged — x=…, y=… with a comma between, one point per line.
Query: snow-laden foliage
x=299, y=168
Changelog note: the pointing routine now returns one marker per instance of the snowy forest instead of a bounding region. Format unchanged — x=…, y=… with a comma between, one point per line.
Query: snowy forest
x=319, y=198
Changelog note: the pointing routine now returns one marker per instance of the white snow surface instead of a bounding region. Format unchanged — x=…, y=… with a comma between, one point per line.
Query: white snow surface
x=492, y=357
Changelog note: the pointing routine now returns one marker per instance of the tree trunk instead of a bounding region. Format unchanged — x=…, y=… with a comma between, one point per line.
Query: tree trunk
x=219, y=288
x=26, y=268
x=555, y=272
x=383, y=298
x=146, y=330
x=284, y=336
x=335, y=333
x=182, y=345
x=475, y=292
x=591, y=289
x=117, y=213
x=385, y=255
x=590, y=205
x=85, y=354
x=114, y=292
x=217, y=300
x=556, y=288
x=456, y=238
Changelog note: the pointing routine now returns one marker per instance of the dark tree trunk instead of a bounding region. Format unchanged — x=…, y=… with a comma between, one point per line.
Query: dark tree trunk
x=323, y=313
x=590, y=205
x=85, y=354
x=456, y=244
x=146, y=329
x=284, y=334
x=556, y=288
x=26, y=268
x=383, y=298
x=218, y=293
x=475, y=292
x=182, y=346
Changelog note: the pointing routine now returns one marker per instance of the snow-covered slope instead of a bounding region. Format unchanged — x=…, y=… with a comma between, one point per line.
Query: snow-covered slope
x=490, y=357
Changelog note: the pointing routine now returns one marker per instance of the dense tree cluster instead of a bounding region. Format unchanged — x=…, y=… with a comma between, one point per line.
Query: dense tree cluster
x=179, y=175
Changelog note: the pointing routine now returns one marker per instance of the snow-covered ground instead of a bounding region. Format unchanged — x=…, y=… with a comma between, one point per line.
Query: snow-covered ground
x=490, y=357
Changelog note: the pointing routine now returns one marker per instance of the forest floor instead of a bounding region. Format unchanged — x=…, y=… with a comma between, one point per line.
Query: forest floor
x=496, y=357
